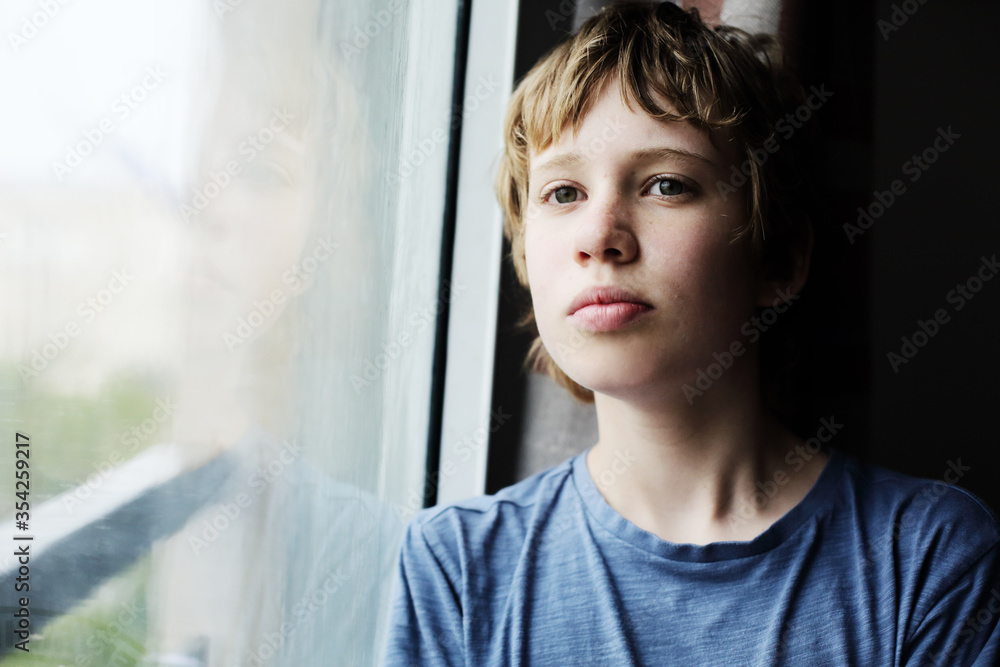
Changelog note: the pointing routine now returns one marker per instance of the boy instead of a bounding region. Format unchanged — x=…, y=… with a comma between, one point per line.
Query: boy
x=645, y=259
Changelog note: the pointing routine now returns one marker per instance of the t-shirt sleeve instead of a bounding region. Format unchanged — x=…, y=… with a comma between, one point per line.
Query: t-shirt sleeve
x=961, y=628
x=425, y=625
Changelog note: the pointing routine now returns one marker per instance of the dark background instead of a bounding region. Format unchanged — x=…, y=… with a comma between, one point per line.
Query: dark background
x=892, y=90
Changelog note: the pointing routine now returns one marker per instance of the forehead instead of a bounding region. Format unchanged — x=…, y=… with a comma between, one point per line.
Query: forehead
x=613, y=129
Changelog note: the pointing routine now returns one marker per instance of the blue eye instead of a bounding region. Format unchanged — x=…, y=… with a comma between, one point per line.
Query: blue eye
x=669, y=187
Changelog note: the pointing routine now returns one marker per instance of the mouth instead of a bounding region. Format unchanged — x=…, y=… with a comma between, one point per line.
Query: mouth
x=607, y=309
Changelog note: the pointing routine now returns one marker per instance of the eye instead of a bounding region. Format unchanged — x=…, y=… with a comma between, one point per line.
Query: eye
x=564, y=194
x=668, y=187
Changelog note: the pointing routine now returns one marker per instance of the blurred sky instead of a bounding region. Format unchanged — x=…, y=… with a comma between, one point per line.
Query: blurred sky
x=67, y=78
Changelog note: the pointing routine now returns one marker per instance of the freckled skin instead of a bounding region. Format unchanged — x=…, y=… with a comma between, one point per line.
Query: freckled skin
x=605, y=220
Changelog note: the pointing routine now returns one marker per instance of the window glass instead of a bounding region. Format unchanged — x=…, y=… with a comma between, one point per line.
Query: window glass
x=220, y=232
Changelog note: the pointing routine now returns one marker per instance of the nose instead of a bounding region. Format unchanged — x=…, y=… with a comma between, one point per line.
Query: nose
x=606, y=234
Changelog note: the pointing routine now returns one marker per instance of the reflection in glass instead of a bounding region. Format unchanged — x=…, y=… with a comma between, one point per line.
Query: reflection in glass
x=204, y=258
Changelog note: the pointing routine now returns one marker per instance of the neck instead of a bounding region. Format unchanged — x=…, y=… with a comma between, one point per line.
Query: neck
x=687, y=472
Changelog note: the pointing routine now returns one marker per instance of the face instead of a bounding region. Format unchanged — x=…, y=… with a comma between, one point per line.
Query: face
x=253, y=231
x=634, y=280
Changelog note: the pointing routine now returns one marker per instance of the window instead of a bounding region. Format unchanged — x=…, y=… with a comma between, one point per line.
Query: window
x=220, y=235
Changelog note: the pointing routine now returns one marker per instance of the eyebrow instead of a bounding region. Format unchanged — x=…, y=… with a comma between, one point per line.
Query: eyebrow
x=574, y=159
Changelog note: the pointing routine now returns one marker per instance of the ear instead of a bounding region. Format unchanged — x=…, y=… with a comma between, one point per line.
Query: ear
x=788, y=279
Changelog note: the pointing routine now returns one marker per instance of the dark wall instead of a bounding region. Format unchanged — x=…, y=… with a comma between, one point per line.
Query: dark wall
x=939, y=70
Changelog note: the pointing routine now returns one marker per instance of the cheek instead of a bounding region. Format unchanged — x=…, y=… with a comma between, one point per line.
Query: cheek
x=685, y=258
x=538, y=256
x=542, y=265
x=704, y=276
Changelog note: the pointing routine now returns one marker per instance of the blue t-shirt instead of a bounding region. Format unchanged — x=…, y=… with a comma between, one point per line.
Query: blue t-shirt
x=872, y=567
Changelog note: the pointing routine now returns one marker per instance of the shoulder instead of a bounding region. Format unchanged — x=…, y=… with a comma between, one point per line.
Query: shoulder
x=923, y=509
x=491, y=524
x=927, y=534
x=937, y=547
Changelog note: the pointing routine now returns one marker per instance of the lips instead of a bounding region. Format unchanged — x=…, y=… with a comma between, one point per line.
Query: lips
x=607, y=308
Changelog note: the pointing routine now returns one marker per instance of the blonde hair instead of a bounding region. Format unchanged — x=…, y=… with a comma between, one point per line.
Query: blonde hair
x=720, y=78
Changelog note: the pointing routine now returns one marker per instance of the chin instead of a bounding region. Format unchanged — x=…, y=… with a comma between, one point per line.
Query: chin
x=620, y=380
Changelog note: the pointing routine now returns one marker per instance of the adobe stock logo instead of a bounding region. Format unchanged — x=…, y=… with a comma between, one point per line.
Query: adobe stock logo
x=121, y=109
x=39, y=358
x=619, y=466
x=958, y=296
x=915, y=167
x=249, y=148
x=901, y=13
x=460, y=449
x=31, y=25
x=796, y=459
x=724, y=360
x=414, y=158
x=786, y=127
x=364, y=34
